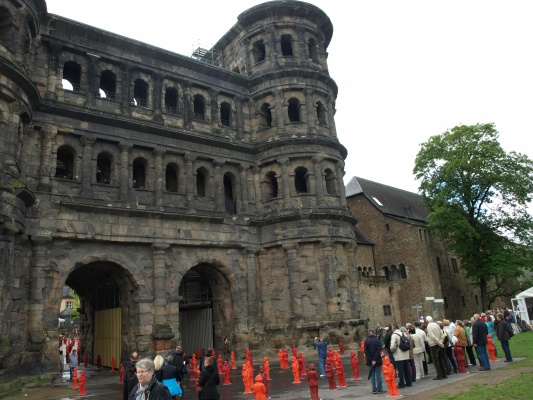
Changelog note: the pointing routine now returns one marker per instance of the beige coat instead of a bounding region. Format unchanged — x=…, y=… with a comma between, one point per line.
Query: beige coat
x=399, y=355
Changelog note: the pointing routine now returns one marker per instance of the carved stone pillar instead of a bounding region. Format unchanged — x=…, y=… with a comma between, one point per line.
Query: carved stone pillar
x=87, y=162
x=38, y=267
x=93, y=85
x=299, y=48
x=187, y=106
x=354, y=280
x=310, y=110
x=159, y=176
x=319, y=179
x=240, y=118
x=157, y=95
x=124, y=171
x=322, y=55
x=127, y=94
x=329, y=278
x=189, y=180
x=244, y=187
x=273, y=51
x=160, y=301
x=215, y=114
x=247, y=59
x=294, y=280
x=340, y=183
x=280, y=119
x=54, y=76
x=251, y=284
x=285, y=181
x=330, y=109
x=219, y=187
x=256, y=177
x=47, y=134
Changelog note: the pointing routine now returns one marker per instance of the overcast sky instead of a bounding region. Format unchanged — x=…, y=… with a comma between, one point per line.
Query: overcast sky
x=406, y=70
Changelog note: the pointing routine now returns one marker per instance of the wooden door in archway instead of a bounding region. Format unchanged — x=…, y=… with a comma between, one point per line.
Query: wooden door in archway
x=108, y=336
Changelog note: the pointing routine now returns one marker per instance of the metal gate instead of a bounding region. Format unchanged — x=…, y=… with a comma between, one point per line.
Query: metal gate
x=196, y=327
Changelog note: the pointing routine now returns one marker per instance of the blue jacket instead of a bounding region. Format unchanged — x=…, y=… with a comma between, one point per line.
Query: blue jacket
x=322, y=348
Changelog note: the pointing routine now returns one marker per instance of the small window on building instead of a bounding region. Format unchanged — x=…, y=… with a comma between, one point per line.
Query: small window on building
x=171, y=100
x=108, y=83
x=72, y=74
x=439, y=266
x=171, y=178
x=301, y=180
x=386, y=272
x=199, y=107
x=270, y=185
x=321, y=114
x=395, y=274
x=265, y=116
x=65, y=162
x=331, y=182
x=103, y=168
x=139, y=173
x=403, y=272
x=140, y=93
x=225, y=114
x=463, y=301
x=229, y=197
x=455, y=267
x=387, y=227
x=286, y=45
x=69, y=304
x=259, y=51
x=312, y=49
x=202, y=177
x=294, y=110
x=387, y=310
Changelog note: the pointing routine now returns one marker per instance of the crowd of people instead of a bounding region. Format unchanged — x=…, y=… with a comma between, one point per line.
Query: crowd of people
x=448, y=345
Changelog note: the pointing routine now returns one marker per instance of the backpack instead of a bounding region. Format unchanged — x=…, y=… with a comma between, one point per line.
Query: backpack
x=404, y=345
x=509, y=329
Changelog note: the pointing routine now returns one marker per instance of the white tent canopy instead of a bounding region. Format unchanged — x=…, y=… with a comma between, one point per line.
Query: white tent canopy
x=525, y=293
x=524, y=302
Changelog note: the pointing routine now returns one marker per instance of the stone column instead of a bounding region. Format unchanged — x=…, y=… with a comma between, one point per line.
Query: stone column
x=248, y=50
x=127, y=95
x=159, y=256
x=322, y=54
x=329, y=278
x=38, y=267
x=157, y=93
x=215, y=114
x=294, y=280
x=310, y=110
x=285, y=181
x=264, y=298
x=54, y=76
x=354, y=280
x=159, y=177
x=319, y=179
x=300, y=50
x=87, y=163
x=239, y=118
x=256, y=179
x=187, y=105
x=273, y=51
x=280, y=119
x=124, y=171
x=330, y=109
x=244, y=188
x=189, y=181
x=251, y=284
x=47, y=133
x=219, y=187
x=340, y=183
x=93, y=85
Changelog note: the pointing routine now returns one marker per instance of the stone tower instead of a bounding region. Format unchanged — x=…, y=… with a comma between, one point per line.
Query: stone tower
x=164, y=188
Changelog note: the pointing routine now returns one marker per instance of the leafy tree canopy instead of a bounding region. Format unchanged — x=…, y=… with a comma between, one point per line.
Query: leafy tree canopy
x=478, y=197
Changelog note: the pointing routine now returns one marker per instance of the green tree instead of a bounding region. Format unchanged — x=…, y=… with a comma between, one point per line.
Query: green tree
x=478, y=196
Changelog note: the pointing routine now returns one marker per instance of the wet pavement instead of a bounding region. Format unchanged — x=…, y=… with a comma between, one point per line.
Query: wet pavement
x=103, y=385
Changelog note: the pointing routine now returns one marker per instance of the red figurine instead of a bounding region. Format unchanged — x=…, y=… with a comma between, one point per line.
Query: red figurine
x=340, y=373
x=121, y=372
x=86, y=360
x=226, y=371
x=112, y=364
x=286, y=359
x=491, y=348
x=75, y=378
x=330, y=356
x=280, y=356
x=312, y=379
x=264, y=376
x=295, y=370
x=83, y=383
x=266, y=365
x=192, y=368
x=246, y=373
x=232, y=358
x=355, y=365
x=259, y=388
x=389, y=372
x=460, y=357
x=330, y=375
x=220, y=364
x=341, y=346
x=294, y=351
x=99, y=361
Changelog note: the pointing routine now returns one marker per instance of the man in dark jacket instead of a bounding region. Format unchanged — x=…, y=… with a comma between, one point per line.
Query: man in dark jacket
x=180, y=363
x=209, y=380
x=502, y=332
x=130, y=377
x=373, y=360
x=479, y=339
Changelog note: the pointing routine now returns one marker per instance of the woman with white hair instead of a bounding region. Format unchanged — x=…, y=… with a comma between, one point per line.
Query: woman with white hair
x=148, y=387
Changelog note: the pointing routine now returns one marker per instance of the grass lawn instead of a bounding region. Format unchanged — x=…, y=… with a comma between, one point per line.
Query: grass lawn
x=518, y=386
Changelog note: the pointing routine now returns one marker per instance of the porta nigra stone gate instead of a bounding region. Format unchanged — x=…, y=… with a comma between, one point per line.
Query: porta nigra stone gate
x=170, y=187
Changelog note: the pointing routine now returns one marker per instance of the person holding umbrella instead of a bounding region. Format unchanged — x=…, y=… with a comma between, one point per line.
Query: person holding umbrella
x=373, y=360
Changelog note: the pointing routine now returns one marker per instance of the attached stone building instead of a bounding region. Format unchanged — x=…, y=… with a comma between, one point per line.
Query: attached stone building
x=400, y=262
x=184, y=199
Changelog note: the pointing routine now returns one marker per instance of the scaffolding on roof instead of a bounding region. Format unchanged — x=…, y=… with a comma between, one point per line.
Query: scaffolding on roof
x=203, y=52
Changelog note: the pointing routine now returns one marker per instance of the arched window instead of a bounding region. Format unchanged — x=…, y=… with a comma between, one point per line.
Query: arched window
x=294, y=110
x=139, y=173
x=403, y=272
x=140, y=93
x=202, y=177
x=265, y=116
x=171, y=178
x=108, y=83
x=103, y=168
x=229, y=195
x=171, y=100
x=312, y=49
x=6, y=27
x=72, y=74
x=65, y=162
x=286, y=45
x=270, y=185
x=331, y=182
x=301, y=180
x=225, y=114
x=386, y=272
x=199, y=107
x=395, y=275
x=259, y=51
x=321, y=114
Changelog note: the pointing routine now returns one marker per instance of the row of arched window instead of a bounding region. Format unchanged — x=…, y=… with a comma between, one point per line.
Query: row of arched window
x=395, y=273
x=259, y=49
